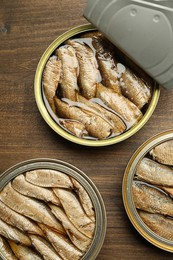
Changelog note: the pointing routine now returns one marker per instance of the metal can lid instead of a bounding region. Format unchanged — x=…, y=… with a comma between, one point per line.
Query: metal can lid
x=141, y=29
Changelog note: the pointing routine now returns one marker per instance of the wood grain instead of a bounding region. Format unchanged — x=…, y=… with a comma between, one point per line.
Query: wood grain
x=26, y=30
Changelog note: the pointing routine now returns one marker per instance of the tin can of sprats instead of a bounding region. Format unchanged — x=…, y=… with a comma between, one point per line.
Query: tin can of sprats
x=82, y=179
x=52, y=119
x=153, y=222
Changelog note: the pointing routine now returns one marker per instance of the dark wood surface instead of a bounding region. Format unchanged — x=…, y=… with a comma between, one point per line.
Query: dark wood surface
x=26, y=29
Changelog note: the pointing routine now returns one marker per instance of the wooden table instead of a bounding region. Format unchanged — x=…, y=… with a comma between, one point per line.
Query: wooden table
x=26, y=29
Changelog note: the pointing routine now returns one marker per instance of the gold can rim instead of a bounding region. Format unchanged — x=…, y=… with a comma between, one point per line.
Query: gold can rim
x=83, y=179
x=130, y=208
x=49, y=120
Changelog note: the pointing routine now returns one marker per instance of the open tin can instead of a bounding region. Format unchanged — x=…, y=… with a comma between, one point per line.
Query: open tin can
x=51, y=118
x=151, y=223
x=82, y=179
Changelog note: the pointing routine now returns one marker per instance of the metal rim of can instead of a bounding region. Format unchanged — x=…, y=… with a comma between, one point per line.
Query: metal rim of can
x=130, y=208
x=83, y=179
x=49, y=120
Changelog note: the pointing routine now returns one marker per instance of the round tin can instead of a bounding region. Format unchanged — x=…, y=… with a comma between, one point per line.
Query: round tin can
x=83, y=179
x=50, y=117
x=129, y=205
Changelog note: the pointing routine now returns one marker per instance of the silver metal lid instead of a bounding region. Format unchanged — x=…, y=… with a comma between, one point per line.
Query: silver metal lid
x=142, y=29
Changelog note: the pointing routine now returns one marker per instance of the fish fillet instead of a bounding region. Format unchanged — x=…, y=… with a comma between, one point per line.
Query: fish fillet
x=154, y=173
x=75, y=212
x=13, y=233
x=24, y=252
x=88, y=74
x=129, y=112
x=51, y=77
x=159, y=224
x=29, y=207
x=163, y=153
x=150, y=199
x=5, y=250
x=44, y=248
x=48, y=178
x=70, y=65
x=24, y=187
x=15, y=219
x=62, y=245
x=78, y=239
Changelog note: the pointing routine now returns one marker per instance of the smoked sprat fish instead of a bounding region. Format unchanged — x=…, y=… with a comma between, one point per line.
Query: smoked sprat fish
x=151, y=199
x=107, y=64
x=78, y=239
x=75, y=212
x=48, y=178
x=44, y=248
x=15, y=219
x=51, y=78
x=154, y=173
x=129, y=112
x=70, y=68
x=29, y=207
x=61, y=244
x=23, y=252
x=115, y=121
x=24, y=187
x=94, y=124
x=163, y=153
x=75, y=127
x=5, y=250
x=161, y=225
x=135, y=89
x=88, y=74
x=14, y=234
x=84, y=199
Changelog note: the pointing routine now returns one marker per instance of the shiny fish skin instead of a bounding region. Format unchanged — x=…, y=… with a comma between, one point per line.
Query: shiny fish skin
x=44, y=248
x=78, y=239
x=70, y=66
x=124, y=107
x=159, y=224
x=76, y=128
x=15, y=219
x=24, y=187
x=154, y=173
x=62, y=245
x=135, y=89
x=5, y=250
x=84, y=199
x=48, y=178
x=115, y=121
x=167, y=190
x=150, y=199
x=75, y=212
x=95, y=125
x=51, y=77
x=107, y=64
x=88, y=74
x=29, y=207
x=163, y=153
x=24, y=252
x=13, y=233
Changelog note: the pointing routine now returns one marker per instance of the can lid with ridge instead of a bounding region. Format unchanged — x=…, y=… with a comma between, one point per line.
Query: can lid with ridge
x=141, y=29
